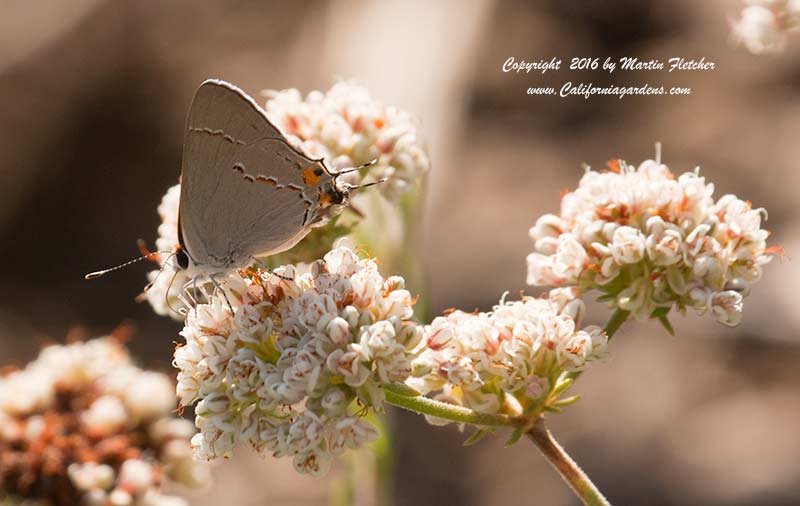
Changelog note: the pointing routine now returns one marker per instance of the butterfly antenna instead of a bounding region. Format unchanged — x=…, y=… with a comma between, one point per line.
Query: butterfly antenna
x=366, y=185
x=97, y=274
x=356, y=169
x=149, y=285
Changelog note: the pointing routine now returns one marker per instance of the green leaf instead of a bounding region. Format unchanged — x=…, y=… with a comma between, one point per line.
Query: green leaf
x=667, y=325
x=552, y=409
x=402, y=389
x=660, y=311
x=566, y=401
x=562, y=385
x=660, y=314
x=475, y=437
x=615, y=286
x=515, y=436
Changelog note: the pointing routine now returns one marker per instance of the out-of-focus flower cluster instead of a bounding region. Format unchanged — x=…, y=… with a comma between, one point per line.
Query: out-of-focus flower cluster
x=764, y=25
x=509, y=360
x=284, y=369
x=82, y=425
x=348, y=128
x=651, y=241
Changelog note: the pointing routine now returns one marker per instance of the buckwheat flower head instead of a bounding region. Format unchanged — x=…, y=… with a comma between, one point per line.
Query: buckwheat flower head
x=78, y=429
x=348, y=128
x=763, y=25
x=280, y=368
x=507, y=360
x=651, y=241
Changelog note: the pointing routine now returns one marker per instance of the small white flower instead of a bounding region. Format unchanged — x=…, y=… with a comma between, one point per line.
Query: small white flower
x=351, y=432
x=570, y=259
x=305, y=433
x=572, y=353
x=460, y=371
x=627, y=245
x=119, y=497
x=338, y=330
x=135, y=476
x=334, y=402
x=314, y=462
x=91, y=475
x=727, y=307
x=150, y=395
x=105, y=416
x=349, y=365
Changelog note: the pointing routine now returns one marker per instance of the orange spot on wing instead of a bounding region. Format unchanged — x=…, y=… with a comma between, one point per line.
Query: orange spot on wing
x=564, y=192
x=309, y=177
x=379, y=123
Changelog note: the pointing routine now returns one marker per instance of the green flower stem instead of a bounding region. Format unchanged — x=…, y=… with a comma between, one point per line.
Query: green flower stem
x=561, y=461
x=425, y=406
x=566, y=467
x=404, y=397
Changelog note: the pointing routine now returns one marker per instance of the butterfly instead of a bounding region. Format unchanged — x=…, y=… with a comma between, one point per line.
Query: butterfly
x=246, y=191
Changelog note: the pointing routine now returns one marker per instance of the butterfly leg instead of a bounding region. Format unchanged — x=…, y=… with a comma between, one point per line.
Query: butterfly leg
x=219, y=288
x=265, y=267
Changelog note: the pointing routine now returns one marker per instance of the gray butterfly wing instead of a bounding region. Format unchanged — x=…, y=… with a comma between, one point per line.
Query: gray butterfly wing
x=244, y=190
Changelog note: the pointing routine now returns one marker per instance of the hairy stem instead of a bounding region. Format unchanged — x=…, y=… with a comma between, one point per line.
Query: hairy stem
x=566, y=467
x=451, y=412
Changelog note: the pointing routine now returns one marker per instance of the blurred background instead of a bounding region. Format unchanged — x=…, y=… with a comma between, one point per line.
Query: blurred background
x=93, y=97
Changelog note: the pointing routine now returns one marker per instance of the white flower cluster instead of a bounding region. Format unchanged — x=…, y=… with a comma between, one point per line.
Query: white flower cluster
x=348, y=128
x=508, y=360
x=283, y=369
x=82, y=424
x=651, y=241
x=764, y=25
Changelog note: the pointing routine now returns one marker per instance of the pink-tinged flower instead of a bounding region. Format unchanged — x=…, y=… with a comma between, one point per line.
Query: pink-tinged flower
x=279, y=369
x=504, y=359
x=650, y=241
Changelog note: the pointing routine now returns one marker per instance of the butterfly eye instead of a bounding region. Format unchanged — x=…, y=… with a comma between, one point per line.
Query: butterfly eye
x=183, y=259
